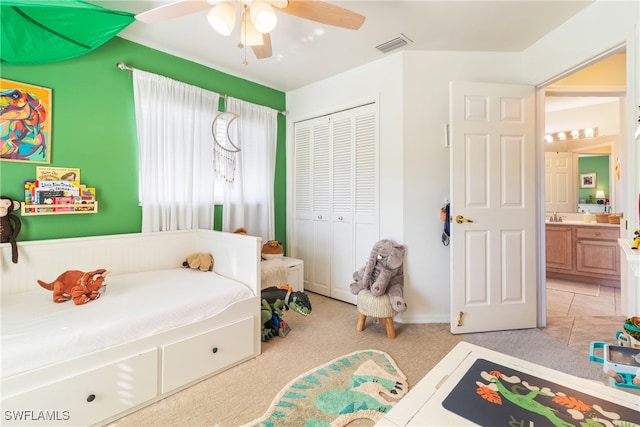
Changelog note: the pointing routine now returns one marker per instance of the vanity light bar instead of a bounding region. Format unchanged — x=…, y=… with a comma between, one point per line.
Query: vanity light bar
x=571, y=134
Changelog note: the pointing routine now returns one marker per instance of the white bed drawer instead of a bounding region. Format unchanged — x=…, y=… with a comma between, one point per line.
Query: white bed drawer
x=192, y=358
x=88, y=397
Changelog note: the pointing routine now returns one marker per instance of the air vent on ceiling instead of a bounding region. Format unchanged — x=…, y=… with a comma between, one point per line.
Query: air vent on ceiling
x=395, y=43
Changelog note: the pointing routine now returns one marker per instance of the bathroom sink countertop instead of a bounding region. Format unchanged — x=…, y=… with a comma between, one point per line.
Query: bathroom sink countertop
x=574, y=222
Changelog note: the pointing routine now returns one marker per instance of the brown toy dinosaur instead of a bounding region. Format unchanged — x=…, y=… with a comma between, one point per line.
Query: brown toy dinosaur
x=77, y=285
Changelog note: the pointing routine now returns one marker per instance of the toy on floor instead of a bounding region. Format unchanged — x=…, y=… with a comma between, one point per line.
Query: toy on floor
x=277, y=300
x=630, y=337
x=78, y=285
x=636, y=239
x=201, y=261
x=621, y=364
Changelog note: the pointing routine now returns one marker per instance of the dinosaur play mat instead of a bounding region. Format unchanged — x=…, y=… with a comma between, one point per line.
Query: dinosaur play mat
x=491, y=394
x=363, y=384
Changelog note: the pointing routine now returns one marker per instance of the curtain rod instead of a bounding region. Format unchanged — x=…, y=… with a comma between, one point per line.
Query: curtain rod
x=122, y=66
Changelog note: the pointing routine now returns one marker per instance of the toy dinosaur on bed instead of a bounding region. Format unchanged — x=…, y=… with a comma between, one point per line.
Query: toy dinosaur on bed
x=277, y=300
x=78, y=285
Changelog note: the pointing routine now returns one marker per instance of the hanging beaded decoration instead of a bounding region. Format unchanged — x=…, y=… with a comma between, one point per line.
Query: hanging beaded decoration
x=224, y=150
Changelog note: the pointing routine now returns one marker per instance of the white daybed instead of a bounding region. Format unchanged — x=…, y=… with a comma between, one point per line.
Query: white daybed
x=158, y=328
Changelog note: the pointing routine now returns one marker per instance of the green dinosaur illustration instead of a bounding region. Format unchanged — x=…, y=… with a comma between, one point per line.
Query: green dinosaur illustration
x=363, y=384
x=527, y=402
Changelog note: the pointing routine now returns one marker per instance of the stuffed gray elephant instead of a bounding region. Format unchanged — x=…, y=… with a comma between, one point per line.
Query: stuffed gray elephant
x=383, y=273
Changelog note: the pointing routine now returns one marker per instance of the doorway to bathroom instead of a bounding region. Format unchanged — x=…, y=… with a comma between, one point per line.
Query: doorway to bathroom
x=584, y=119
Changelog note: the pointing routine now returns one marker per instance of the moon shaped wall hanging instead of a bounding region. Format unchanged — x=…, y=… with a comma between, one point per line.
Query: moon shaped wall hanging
x=224, y=150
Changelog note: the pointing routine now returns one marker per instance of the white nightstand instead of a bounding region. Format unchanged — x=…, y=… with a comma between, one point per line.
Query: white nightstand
x=296, y=273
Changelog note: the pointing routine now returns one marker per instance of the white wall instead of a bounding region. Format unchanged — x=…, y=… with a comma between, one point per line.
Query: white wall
x=413, y=91
x=605, y=117
x=426, y=168
x=380, y=81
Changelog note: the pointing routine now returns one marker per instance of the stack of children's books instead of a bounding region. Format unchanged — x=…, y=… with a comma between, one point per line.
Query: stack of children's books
x=58, y=190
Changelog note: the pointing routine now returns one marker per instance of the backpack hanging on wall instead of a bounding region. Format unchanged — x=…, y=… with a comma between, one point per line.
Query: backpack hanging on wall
x=446, y=234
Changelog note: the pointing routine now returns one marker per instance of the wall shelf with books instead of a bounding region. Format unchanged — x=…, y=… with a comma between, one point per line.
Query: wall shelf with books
x=58, y=191
x=74, y=208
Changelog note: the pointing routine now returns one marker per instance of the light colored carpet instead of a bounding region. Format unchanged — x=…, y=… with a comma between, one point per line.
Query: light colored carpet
x=573, y=287
x=244, y=392
x=539, y=347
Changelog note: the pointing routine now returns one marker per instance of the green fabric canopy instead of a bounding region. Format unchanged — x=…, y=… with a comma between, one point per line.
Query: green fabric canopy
x=43, y=31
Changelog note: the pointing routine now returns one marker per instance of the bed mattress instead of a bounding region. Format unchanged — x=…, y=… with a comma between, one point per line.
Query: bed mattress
x=37, y=332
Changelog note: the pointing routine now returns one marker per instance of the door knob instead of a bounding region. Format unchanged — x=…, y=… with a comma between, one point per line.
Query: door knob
x=460, y=219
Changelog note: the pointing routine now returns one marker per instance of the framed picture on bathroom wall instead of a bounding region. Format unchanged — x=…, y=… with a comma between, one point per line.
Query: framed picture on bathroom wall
x=588, y=180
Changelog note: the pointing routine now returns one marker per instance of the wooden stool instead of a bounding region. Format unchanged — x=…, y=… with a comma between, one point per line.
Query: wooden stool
x=378, y=307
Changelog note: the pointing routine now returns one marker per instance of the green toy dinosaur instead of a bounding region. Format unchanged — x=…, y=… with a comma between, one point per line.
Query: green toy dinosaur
x=277, y=300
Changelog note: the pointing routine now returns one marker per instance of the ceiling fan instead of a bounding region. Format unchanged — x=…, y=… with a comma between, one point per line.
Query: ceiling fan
x=257, y=17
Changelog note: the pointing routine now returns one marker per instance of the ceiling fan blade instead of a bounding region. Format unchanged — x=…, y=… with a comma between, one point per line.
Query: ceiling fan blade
x=263, y=51
x=325, y=13
x=172, y=10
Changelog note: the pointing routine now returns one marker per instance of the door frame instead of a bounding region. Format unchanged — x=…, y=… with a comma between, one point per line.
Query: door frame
x=540, y=150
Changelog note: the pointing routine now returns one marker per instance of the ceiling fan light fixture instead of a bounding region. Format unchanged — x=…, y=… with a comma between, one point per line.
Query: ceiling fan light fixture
x=249, y=36
x=263, y=16
x=222, y=17
x=280, y=4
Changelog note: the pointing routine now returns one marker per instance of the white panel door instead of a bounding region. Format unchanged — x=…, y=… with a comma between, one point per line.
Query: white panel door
x=559, y=184
x=493, y=256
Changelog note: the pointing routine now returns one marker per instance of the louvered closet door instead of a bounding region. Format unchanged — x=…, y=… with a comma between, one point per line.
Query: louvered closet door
x=311, y=196
x=342, y=251
x=300, y=245
x=366, y=208
x=354, y=204
x=336, y=198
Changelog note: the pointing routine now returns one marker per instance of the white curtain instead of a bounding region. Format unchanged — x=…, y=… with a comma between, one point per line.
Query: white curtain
x=173, y=121
x=248, y=201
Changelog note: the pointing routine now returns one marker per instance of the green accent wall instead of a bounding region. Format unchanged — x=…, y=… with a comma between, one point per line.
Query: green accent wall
x=599, y=165
x=94, y=129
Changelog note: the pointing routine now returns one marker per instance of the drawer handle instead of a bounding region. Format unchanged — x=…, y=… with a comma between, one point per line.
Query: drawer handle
x=340, y=218
x=214, y=350
x=597, y=233
x=319, y=216
x=91, y=398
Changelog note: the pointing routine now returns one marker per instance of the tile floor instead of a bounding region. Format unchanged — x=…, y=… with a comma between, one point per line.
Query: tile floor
x=578, y=313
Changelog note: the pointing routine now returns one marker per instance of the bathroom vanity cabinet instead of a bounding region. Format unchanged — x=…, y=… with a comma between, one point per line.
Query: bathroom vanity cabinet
x=587, y=252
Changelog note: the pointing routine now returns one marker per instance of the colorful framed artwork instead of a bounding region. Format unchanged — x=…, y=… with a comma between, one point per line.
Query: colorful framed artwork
x=588, y=180
x=25, y=122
